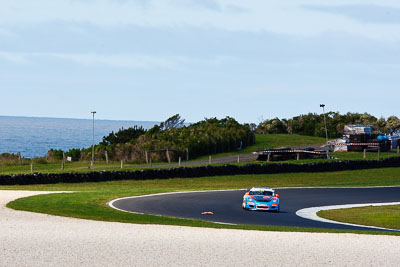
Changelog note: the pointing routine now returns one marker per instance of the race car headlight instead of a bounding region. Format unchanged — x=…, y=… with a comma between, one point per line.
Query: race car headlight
x=274, y=200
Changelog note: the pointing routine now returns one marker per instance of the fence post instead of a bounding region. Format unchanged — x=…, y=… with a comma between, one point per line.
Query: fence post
x=20, y=158
x=122, y=163
x=187, y=154
x=63, y=162
x=106, y=152
x=179, y=164
x=147, y=156
x=238, y=159
x=168, y=158
x=365, y=153
x=209, y=160
x=298, y=156
x=269, y=157
x=31, y=167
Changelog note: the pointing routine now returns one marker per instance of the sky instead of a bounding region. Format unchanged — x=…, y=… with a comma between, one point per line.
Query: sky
x=146, y=60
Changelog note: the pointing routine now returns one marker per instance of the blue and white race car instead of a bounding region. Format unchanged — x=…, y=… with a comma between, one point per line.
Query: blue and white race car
x=261, y=198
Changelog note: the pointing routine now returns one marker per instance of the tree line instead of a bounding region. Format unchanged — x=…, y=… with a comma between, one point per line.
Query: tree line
x=312, y=124
x=205, y=137
x=212, y=135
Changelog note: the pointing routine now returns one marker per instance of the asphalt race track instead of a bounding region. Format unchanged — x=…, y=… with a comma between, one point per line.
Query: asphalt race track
x=226, y=205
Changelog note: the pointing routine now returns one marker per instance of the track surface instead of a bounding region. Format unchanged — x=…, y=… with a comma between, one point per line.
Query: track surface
x=226, y=205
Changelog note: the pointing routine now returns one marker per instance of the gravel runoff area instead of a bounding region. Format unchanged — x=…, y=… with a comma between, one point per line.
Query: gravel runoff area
x=31, y=239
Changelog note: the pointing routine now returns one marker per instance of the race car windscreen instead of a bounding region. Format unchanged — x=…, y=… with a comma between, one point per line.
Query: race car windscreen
x=260, y=193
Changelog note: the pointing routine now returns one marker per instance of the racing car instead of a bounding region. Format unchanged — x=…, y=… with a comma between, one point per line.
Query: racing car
x=261, y=198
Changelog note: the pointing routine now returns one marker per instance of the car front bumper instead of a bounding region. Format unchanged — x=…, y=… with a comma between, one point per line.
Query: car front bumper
x=262, y=206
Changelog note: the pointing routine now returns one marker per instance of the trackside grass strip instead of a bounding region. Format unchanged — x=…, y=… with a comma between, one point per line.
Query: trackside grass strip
x=385, y=216
x=89, y=200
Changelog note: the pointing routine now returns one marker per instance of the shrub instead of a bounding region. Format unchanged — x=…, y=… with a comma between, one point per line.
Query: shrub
x=40, y=160
x=74, y=153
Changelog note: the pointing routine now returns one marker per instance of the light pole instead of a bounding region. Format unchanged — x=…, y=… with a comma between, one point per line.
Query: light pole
x=92, y=163
x=326, y=130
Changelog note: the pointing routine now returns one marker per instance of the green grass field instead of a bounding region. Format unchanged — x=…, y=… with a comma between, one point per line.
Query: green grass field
x=385, y=216
x=89, y=199
x=265, y=141
x=262, y=141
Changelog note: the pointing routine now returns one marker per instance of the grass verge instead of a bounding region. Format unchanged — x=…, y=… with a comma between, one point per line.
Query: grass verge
x=262, y=141
x=89, y=200
x=384, y=216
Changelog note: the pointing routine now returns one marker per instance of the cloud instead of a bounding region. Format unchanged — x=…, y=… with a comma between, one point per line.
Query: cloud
x=363, y=13
x=6, y=33
x=385, y=3
x=284, y=17
x=14, y=57
x=206, y=4
x=92, y=59
x=134, y=61
x=119, y=61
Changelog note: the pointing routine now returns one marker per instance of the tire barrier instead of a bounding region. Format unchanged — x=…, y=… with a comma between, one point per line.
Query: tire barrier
x=193, y=172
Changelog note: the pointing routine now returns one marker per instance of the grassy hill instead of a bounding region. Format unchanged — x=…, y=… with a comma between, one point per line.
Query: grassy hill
x=264, y=141
x=284, y=140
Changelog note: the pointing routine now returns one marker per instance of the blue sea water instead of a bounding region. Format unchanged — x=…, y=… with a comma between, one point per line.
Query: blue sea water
x=34, y=137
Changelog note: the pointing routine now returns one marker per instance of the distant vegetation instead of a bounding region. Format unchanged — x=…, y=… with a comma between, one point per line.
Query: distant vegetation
x=217, y=136
x=205, y=137
x=123, y=136
x=11, y=165
x=212, y=136
x=313, y=124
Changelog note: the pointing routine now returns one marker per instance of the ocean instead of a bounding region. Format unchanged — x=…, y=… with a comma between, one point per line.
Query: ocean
x=34, y=137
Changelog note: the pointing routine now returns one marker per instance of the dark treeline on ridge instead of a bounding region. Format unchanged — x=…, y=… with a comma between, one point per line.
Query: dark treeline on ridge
x=313, y=124
x=211, y=136
x=205, y=137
